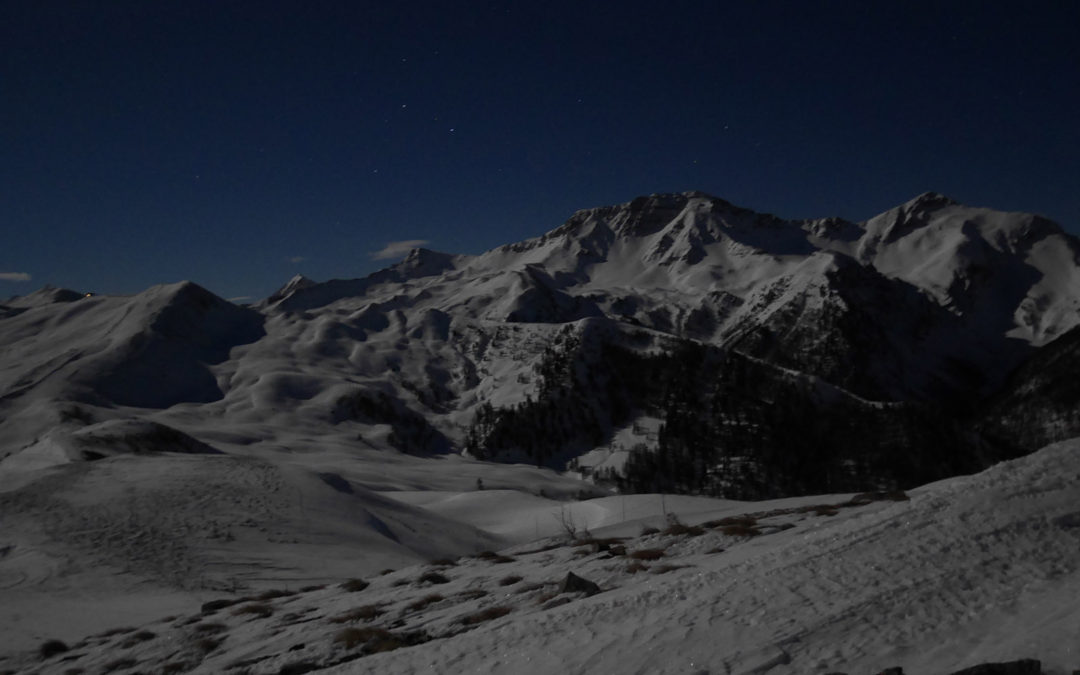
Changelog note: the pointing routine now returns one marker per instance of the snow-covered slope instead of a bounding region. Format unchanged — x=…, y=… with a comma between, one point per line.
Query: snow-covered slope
x=337, y=394
x=968, y=571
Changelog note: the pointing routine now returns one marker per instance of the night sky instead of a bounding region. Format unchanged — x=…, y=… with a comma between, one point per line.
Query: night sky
x=239, y=143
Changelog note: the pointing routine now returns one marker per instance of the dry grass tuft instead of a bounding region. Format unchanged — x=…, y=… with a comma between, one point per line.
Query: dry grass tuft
x=740, y=530
x=423, y=602
x=555, y=602
x=51, y=648
x=432, y=578
x=363, y=613
x=351, y=637
x=116, y=631
x=746, y=521
x=493, y=557
x=472, y=593
x=442, y=562
x=485, y=615
x=664, y=569
x=210, y=628
x=259, y=609
x=544, y=597
x=646, y=554
x=646, y=531
x=209, y=644
x=544, y=548
x=635, y=567
x=136, y=638
x=681, y=529
x=215, y=605
x=510, y=580
x=354, y=585
x=274, y=594
x=119, y=664
x=375, y=640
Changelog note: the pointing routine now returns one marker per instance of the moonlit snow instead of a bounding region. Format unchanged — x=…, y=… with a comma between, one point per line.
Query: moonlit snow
x=169, y=449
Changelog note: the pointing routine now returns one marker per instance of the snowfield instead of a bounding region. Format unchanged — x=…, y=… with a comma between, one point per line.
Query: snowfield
x=969, y=570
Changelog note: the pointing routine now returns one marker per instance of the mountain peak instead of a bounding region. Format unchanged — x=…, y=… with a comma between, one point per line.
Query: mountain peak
x=291, y=286
x=929, y=201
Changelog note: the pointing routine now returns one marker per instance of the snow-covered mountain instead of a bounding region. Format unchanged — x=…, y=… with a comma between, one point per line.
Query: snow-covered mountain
x=673, y=343
x=931, y=302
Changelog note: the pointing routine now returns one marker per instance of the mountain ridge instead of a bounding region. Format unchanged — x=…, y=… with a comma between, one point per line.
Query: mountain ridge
x=931, y=302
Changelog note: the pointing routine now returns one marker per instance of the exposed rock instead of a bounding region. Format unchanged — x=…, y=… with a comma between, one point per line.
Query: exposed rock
x=575, y=584
x=1021, y=667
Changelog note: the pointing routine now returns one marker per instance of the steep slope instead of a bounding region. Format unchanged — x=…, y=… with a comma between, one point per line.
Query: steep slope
x=1040, y=402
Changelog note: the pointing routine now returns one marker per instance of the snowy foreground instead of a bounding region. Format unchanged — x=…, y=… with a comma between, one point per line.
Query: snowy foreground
x=971, y=570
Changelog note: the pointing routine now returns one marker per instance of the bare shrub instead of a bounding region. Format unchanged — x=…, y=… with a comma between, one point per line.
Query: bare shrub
x=485, y=615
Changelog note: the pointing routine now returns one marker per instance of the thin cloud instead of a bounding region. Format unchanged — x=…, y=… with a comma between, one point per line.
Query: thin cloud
x=14, y=276
x=396, y=249
x=296, y=259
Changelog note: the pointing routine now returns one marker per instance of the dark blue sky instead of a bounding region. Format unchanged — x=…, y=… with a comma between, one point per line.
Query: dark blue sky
x=239, y=143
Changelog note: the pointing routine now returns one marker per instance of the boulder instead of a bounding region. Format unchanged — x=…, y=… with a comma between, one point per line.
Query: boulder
x=575, y=584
